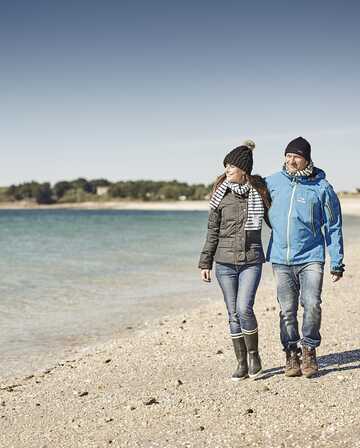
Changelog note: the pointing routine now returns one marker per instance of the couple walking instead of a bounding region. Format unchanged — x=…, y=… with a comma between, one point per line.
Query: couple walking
x=304, y=214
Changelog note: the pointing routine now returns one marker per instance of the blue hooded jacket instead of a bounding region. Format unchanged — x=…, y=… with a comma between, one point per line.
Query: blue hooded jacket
x=305, y=213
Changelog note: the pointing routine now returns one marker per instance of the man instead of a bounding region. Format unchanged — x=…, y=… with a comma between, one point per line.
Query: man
x=305, y=215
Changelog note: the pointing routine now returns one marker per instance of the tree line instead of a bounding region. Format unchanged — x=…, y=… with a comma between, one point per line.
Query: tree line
x=81, y=190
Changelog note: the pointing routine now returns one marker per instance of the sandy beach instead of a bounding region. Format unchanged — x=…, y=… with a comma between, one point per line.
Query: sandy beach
x=166, y=384
x=350, y=205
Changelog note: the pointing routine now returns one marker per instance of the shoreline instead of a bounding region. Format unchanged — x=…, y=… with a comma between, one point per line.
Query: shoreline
x=350, y=206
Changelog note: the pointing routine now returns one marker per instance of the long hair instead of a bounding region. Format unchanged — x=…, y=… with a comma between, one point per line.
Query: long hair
x=255, y=181
x=218, y=181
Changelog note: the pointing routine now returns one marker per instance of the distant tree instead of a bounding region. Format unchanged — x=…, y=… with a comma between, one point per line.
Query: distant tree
x=82, y=184
x=199, y=192
x=100, y=183
x=44, y=194
x=60, y=188
x=27, y=190
x=11, y=192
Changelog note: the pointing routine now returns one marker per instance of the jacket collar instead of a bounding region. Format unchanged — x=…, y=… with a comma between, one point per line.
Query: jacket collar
x=318, y=175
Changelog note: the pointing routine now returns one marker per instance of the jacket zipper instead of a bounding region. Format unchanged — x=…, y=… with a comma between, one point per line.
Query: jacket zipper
x=288, y=226
x=312, y=218
x=245, y=219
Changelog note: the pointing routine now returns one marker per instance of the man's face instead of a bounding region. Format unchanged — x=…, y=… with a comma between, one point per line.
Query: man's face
x=294, y=162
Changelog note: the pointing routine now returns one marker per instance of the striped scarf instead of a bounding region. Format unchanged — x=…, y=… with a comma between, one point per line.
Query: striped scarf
x=305, y=173
x=254, y=200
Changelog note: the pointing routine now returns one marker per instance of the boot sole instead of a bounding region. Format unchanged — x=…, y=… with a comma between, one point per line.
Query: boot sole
x=236, y=380
x=310, y=374
x=293, y=375
x=255, y=375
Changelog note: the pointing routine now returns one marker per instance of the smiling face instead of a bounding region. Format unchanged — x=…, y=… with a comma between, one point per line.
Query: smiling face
x=294, y=162
x=235, y=174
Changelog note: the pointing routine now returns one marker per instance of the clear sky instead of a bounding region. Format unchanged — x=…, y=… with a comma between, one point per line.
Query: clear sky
x=164, y=89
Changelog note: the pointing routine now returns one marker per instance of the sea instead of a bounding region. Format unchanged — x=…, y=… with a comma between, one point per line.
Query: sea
x=71, y=279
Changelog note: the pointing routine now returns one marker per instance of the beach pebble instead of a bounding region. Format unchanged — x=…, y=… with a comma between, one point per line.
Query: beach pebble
x=107, y=361
x=28, y=377
x=81, y=394
x=151, y=401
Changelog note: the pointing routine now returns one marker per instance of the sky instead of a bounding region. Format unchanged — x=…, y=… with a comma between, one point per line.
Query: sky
x=162, y=90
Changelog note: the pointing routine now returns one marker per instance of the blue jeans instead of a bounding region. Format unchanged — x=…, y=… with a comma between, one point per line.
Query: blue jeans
x=299, y=284
x=239, y=284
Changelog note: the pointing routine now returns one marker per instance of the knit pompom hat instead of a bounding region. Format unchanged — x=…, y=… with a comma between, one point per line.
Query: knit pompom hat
x=242, y=156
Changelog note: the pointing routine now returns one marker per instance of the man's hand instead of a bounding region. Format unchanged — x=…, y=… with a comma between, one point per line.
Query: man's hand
x=206, y=275
x=336, y=277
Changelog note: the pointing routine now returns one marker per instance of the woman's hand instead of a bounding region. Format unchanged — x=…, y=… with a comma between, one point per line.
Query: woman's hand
x=206, y=275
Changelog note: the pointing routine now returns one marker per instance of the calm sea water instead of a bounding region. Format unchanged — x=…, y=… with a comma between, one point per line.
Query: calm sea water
x=71, y=277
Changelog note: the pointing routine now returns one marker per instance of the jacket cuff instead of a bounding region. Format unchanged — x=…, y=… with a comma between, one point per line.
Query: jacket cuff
x=338, y=269
x=205, y=266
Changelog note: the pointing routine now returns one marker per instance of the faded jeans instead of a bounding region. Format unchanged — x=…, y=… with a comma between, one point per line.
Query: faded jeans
x=239, y=284
x=299, y=284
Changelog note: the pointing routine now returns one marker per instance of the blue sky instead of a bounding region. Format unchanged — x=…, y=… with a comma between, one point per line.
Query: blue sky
x=163, y=90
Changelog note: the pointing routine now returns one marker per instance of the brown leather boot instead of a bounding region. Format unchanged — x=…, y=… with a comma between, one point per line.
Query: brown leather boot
x=309, y=363
x=292, y=367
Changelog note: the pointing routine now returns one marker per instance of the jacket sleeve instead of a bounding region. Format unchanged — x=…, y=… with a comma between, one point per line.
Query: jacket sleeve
x=212, y=238
x=333, y=229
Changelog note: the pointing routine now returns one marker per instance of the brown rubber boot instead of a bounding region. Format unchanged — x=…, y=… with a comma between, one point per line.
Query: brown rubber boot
x=309, y=363
x=241, y=371
x=292, y=367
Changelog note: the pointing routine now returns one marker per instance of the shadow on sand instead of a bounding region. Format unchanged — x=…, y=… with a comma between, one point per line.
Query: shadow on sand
x=333, y=362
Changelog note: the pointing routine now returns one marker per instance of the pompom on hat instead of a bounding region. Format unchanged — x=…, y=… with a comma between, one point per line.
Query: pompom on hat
x=241, y=156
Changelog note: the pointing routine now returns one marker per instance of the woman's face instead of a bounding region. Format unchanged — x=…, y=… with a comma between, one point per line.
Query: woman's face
x=235, y=174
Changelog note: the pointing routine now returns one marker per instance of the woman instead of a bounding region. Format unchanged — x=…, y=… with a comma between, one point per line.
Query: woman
x=238, y=205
